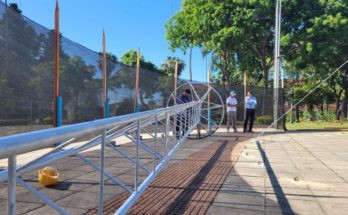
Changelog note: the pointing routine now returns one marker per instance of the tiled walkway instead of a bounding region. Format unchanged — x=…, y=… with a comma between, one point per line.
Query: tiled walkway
x=190, y=186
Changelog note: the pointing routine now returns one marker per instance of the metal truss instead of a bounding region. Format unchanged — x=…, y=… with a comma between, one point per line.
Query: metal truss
x=160, y=125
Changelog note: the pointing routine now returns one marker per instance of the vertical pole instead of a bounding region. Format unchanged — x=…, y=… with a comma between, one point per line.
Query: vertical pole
x=154, y=157
x=136, y=89
x=190, y=64
x=56, y=64
x=167, y=135
x=101, y=180
x=137, y=158
x=59, y=111
x=209, y=111
x=245, y=90
x=104, y=100
x=276, y=66
x=291, y=107
x=175, y=80
x=11, y=187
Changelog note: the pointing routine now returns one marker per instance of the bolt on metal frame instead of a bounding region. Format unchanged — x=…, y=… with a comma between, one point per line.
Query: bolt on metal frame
x=158, y=124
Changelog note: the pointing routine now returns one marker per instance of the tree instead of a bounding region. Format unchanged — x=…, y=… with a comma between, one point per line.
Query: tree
x=319, y=43
x=76, y=77
x=130, y=59
x=168, y=67
x=228, y=29
x=149, y=76
x=19, y=49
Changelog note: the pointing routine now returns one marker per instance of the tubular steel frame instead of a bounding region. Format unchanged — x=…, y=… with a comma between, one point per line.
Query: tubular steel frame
x=159, y=124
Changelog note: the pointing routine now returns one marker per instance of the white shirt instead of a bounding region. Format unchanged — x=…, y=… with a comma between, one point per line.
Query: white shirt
x=231, y=101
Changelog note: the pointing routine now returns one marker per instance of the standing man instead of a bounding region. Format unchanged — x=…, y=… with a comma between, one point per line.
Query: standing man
x=250, y=104
x=231, y=104
x=184, y=98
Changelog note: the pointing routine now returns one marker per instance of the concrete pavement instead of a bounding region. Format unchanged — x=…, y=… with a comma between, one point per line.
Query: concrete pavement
x=292, y=173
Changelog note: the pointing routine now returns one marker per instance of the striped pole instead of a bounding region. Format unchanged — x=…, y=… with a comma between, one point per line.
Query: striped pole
x=209, y=110
x=136, y=89
x=56, y=105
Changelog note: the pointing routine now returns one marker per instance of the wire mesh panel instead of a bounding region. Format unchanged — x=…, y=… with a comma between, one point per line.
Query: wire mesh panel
x=265, y=103
x=26, y=78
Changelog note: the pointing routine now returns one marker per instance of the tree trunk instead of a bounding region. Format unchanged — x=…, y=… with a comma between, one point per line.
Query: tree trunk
x=338, y=101
x=345, y=88
x=345, y=103
x=297, y=114
x=322, y=108
x=264, y=96
x=311, y=112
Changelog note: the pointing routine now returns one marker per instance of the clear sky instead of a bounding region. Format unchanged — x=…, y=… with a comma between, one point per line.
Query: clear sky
x=128, y=24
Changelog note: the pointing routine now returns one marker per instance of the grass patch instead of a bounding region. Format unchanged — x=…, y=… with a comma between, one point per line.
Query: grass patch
x=317, y=125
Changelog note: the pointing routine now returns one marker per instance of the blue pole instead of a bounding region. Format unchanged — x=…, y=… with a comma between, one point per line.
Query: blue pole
x=209, y=120
x=107, y=109
x=59, y=113
x=137, y=107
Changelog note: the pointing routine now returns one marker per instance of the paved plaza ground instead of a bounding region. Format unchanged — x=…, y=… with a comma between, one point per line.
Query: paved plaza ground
x=227, y=173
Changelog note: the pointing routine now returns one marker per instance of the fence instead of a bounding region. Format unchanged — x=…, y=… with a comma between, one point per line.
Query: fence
x=26, y=77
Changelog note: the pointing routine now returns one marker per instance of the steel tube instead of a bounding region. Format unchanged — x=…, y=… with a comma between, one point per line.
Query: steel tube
x=43, y=197
x=31, y=141
x=11, y=187
x=102, y=172
x=48, y=159
x=95, y=166
x=135, y=195
x=155, y=146
x=128, y=157
x=137, y=159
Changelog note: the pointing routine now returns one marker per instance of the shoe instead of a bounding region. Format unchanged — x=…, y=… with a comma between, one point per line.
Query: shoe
x=244, y=131
x=251, y=131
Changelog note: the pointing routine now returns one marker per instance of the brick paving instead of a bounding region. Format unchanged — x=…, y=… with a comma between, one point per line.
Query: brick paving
x=189, y=186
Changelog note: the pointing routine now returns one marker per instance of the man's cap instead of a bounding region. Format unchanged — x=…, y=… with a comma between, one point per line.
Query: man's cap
x=232, y=93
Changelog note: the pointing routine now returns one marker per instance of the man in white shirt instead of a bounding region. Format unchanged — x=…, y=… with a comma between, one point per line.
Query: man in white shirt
x=231, y=104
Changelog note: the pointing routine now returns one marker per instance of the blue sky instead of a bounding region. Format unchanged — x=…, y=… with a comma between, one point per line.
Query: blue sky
x=128, y=24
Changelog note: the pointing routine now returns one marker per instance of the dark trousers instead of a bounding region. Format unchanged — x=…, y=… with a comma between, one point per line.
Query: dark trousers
x=250, y=114
x=181, y=125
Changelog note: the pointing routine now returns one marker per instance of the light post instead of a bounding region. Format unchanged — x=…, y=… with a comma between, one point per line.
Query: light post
x=276, y=62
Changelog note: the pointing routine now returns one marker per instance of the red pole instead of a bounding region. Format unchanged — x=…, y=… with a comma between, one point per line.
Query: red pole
x=104, y=76
x=56, y=64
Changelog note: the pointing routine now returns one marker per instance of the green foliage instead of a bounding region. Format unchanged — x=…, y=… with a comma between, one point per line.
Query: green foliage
x=168, y=67
x=47, y=120
x=264, y=120
x=324, y=116
x=322, y=95
x=130, y=58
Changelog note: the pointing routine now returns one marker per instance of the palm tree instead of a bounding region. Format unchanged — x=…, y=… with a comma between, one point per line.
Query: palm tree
x=169, y=66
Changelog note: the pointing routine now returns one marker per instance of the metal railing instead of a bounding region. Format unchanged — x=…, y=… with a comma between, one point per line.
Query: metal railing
x=160, y=125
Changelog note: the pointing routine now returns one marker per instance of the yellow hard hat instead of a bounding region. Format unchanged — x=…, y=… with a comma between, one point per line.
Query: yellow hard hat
x=48, y=176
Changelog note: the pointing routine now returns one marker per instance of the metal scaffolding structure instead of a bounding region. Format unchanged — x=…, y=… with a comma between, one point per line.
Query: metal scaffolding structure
x=159, y=124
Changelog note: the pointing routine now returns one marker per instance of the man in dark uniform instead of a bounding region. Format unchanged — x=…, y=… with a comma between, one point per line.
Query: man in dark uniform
x=184, y=98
